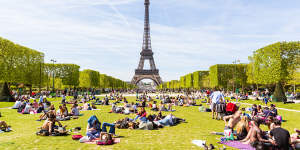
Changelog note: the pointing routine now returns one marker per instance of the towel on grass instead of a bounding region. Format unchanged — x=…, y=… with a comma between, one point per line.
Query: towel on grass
x=200, y=143
x=116, y=140
x=238, y=145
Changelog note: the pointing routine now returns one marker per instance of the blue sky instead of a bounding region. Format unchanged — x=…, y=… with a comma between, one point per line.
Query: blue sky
x=187, y=35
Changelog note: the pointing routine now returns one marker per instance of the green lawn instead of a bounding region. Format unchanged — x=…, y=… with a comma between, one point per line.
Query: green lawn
x=198, y=126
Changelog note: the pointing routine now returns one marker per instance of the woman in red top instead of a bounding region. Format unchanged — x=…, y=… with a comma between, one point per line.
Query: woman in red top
x=142, y=114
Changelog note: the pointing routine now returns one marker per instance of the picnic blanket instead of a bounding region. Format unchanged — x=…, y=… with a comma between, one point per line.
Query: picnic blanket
x=238, y=145
x=116, y=140
x=90, y=110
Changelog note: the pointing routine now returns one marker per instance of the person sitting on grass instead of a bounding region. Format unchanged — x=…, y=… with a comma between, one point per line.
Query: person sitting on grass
x=142, y=114
x=154, y=106
x=49, y=124
x=266, y=100
x=273, y=110
x=259, y=110
x=255, y=134
x=4, y=126
x=62, y=113
x=17, y=104
x=133, y=108
x=254, y=110
x=40, y=108
x=28, y=108
x=270, y=122
x=279, y=137
x=35, y=105
x=93, y=129
x=232, y=122
x=74, y=110
x=242, y=128
x=162, y=107
x=65, y=110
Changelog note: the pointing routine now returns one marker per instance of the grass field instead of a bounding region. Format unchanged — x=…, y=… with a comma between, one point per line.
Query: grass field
x=198, y=126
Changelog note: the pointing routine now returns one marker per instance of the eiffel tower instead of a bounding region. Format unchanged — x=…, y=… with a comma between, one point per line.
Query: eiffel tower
x=146, y=54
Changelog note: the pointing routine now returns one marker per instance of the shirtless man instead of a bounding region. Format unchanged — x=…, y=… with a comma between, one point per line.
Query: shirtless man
x=232, y=119
x=50, y=122
x=232, y=122
x=255, y=134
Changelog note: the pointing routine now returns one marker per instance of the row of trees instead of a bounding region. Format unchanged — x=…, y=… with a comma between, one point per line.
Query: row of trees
x=20, y=65
x=275, y=65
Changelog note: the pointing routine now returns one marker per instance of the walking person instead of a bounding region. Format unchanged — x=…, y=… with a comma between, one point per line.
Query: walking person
x=216, y=97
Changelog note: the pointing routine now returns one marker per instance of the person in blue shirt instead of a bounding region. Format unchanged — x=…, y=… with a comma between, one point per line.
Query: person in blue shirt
x=266, y=100
x=41, y=99
x=216, y=98
x=94, y=128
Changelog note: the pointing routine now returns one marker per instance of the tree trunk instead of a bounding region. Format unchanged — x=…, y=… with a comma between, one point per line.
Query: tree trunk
x=5, y=95
x=279, y=95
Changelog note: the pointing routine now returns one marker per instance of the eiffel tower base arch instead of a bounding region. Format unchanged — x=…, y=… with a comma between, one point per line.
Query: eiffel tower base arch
x=155, y=78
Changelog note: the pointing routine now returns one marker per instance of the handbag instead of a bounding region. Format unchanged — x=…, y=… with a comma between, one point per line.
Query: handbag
x=105, y=136
x=76, y=137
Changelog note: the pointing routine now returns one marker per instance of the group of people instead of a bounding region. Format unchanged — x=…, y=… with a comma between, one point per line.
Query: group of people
x=148, y=122
x=24, y=105
x=246, y=127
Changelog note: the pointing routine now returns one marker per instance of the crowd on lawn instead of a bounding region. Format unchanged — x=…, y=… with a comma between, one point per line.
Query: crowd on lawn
x=246, y=127
x=239, y=125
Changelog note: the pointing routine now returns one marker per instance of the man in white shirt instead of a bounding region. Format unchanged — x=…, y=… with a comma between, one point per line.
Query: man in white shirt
x=215, y=98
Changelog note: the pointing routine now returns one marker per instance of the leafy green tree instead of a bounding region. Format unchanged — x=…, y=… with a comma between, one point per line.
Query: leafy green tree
x=275, y=64
x=182, y=82
x=228, y=75
x=189, y=80
x=198, y=79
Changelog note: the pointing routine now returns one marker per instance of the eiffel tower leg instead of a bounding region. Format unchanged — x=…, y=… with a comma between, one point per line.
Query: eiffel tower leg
x=141, y=63
x=152, y=64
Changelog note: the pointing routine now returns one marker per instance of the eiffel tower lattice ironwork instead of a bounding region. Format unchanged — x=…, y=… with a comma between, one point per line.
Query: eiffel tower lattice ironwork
x=146, y=54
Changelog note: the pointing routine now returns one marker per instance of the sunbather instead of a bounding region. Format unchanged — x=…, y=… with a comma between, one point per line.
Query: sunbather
x=142, y=114
x=255, y=134
x=49, y=123
x=4, y=126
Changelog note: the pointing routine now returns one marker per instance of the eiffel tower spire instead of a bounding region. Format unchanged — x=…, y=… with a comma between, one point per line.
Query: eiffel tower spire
x=147, y=38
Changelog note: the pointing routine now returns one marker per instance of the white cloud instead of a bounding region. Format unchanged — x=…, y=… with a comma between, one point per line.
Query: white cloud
x=104, y=35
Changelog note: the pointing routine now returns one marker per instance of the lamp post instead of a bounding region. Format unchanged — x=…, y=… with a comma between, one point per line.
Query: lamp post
x=234, y=74
x=54, y=61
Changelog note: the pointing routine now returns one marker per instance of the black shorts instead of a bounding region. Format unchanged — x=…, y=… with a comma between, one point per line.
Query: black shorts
x=214, y=106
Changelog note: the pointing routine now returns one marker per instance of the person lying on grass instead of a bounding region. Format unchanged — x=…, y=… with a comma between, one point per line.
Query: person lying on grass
x=169, y=120
x=230, y=122
x=4, y=126
x=93, y=129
